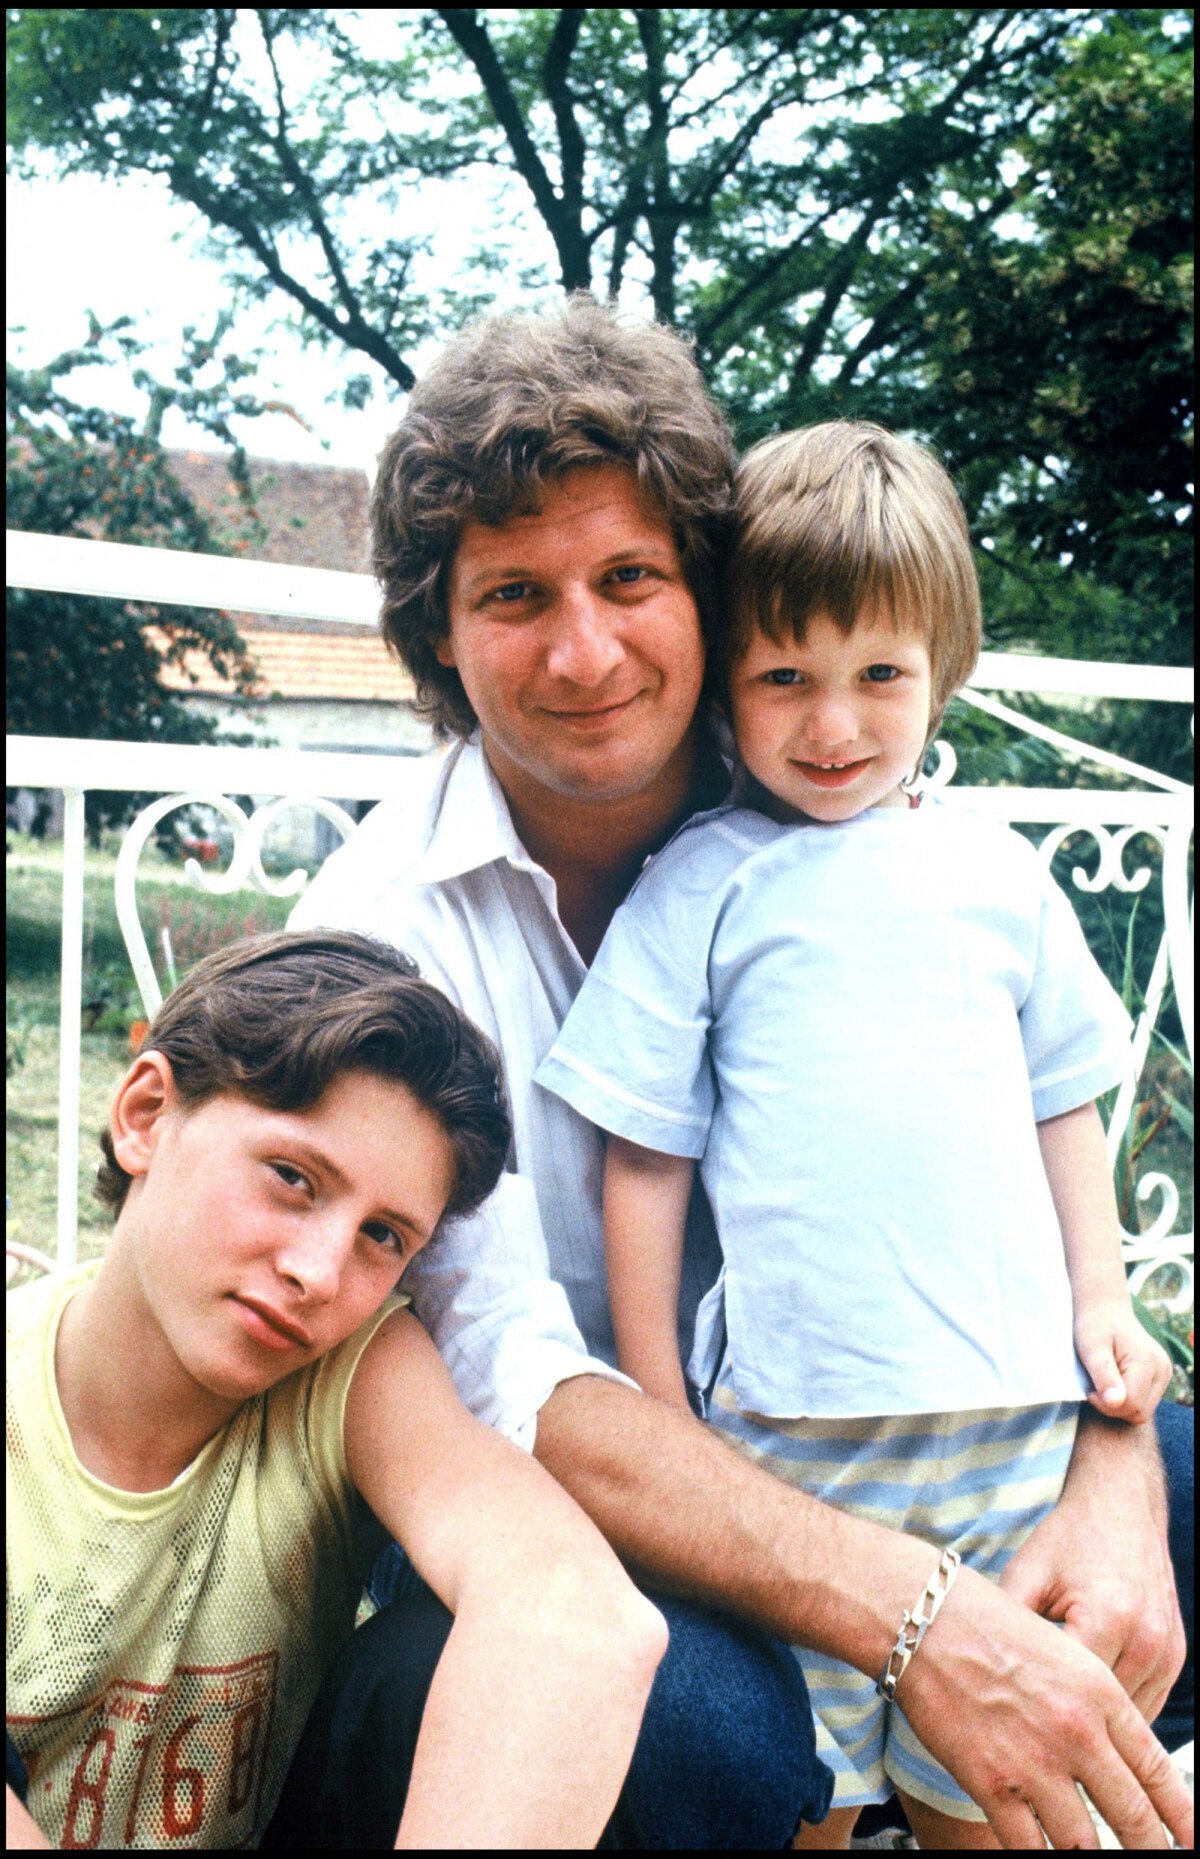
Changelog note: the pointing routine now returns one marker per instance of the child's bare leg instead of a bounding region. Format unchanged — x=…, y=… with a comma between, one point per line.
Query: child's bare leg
x=937, y=1832
x=833, y=1834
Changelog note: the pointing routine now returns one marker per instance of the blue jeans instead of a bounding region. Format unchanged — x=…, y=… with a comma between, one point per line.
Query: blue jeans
x=1175, y=1726
x=726, y=1755
x=726, y=1758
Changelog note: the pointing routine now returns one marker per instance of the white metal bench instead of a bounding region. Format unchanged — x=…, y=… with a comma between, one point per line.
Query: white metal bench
x=1136, y=837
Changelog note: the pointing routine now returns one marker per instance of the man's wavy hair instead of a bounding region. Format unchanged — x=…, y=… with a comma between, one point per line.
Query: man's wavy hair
x=514, y=403
x=277, y=1018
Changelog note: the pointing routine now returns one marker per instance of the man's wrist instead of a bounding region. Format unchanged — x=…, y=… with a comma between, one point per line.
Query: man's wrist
x=916, y=1622
x=1107, y=1450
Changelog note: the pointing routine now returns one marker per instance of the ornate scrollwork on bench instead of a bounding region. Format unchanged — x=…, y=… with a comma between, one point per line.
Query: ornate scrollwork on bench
x=245, y=866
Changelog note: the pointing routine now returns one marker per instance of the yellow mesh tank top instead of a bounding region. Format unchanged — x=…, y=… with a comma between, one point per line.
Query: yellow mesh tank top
x=164, y=1648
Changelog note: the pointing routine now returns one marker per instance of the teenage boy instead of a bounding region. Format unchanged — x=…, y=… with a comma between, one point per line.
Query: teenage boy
x=208, y=1428
x=547, y=524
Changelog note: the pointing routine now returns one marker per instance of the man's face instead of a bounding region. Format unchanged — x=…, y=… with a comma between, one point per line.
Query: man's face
x=577, y=640
x=263, y=1238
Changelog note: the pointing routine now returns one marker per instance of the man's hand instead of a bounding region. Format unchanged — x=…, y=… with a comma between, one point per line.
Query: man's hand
x=1129, y=1371
x=1015, y=1709
x=1099, y=1563
x=1020, y=1714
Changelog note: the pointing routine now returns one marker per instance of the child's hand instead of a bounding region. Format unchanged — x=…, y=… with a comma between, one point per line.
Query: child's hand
x=1128, y=1369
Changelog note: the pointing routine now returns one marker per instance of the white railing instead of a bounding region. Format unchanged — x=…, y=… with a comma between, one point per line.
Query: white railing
x=1117, y=821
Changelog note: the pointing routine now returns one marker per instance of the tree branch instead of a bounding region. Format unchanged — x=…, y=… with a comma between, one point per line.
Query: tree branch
x=462, y=23
x=840, y=279
x=301, y=181
x=707, y=327
x=662, y=210
x=881, y=327
x=224, y=22
x=351, y=328
x=623, y=224
x=555, y=67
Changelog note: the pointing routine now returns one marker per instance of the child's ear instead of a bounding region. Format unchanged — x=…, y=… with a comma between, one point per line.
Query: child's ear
x=144, y=1096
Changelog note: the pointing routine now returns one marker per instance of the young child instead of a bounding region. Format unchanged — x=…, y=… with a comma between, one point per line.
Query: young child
x=880, y=1032
x=207, y=1429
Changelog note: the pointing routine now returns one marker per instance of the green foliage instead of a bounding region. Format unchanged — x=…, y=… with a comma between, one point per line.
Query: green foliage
x=33, y=944
x=973, y=224
x=78, y=666
x=1058, y=371
x=1181, y=1351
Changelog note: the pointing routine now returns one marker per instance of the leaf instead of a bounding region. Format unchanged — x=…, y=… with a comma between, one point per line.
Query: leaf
x=1175, y=1346
x=1183, y=1116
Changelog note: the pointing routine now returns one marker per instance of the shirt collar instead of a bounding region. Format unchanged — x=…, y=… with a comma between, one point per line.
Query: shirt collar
x=473, y=826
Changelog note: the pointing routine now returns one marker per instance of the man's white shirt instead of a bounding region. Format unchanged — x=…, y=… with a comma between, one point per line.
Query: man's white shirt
x=513, y=1296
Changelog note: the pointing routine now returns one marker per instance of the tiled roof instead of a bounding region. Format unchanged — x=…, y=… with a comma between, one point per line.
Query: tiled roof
x=316, y=516
x=297, y=660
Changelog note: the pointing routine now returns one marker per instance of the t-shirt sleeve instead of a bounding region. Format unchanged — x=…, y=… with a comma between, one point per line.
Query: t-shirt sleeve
x=632, y=1055
x=1075, y=1031
x=326, y=1408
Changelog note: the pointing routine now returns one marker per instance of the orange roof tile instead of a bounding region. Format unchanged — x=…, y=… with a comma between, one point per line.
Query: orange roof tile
x=344, y=663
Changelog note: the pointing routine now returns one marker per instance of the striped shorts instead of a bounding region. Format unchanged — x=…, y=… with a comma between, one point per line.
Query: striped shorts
x=977, y=1482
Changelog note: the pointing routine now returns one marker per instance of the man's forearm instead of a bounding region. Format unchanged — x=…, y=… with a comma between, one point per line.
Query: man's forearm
x=689, y=1515
x=1101, y=1445
x=1018, y=1712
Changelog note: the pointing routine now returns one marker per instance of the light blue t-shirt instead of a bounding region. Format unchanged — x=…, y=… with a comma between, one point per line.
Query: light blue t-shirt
x=856, y=1028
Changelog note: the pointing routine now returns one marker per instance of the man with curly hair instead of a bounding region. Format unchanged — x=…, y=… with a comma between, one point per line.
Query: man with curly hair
x=548, y=525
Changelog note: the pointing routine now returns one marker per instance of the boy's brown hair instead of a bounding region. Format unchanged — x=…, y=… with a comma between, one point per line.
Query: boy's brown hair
x=510, y=406
x=277, y=1018
x=846, y=518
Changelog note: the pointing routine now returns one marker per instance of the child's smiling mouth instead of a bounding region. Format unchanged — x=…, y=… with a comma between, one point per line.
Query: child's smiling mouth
x=831, y=774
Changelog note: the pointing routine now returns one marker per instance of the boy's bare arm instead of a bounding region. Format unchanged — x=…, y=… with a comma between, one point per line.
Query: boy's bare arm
x=537, y=1700
x=1016, y=1710
x=21, y=1831
x=1128, y=1369
x=646, y=1198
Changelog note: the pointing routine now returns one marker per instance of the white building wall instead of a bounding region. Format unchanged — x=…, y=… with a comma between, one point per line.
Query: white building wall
x=320, y=723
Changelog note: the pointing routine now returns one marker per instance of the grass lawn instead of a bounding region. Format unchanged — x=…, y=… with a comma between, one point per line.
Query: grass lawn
x=197, y=923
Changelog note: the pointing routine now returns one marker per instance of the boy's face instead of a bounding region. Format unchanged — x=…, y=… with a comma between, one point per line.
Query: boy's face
x=262, y=1238
x=832, y=725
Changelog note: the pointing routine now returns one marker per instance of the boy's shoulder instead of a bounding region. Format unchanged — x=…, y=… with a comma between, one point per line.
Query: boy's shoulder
x=711, y=846
x=29, y=1307
x=32, y=1312
x=728, y=844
